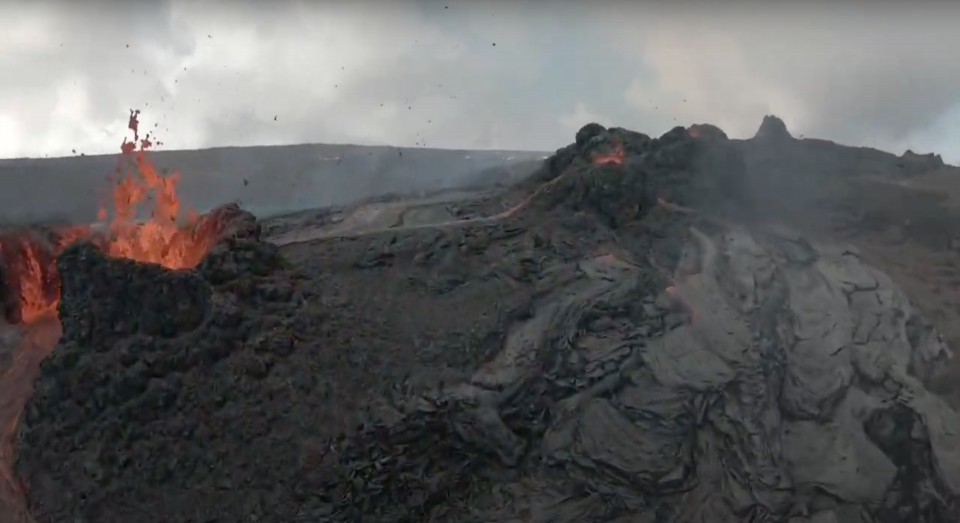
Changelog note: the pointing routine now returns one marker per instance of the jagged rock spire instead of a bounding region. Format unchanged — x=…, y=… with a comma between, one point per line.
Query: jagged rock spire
x=772, y=128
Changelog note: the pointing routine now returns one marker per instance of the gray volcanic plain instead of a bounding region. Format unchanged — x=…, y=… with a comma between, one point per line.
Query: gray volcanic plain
x=265, y=180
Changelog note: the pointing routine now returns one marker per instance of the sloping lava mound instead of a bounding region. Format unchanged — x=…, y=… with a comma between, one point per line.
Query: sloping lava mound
x=588, y=354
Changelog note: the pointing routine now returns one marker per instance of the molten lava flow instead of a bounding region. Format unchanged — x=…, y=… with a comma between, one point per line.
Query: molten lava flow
x=29, y=256
x=31, y=346
x=614, y=155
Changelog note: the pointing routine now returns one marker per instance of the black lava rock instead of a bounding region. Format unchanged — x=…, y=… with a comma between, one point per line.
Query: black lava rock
x=235, y=258
x=589, y=131
x=104, y=298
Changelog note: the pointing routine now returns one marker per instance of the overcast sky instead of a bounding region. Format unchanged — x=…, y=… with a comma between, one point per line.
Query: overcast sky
x=523, y=74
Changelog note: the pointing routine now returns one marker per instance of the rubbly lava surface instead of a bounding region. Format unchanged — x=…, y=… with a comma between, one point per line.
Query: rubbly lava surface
x=608, y=340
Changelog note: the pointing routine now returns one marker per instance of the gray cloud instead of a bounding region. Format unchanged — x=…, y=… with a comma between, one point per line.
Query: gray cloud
x=879, y=73
x=410, y=72
x=213, y=73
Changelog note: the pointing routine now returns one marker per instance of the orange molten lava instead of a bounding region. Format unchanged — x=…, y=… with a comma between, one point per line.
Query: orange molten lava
x=614, y=155
x=160, y=239
x=165, y=238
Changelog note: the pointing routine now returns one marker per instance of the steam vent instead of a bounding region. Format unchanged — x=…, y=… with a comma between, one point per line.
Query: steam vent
x=601, y=341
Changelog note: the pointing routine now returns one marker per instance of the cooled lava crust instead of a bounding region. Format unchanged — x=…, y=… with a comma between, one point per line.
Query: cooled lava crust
x=612, y=347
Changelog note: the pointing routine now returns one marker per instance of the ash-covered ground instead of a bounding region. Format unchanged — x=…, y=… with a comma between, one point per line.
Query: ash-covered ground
x=616, y=338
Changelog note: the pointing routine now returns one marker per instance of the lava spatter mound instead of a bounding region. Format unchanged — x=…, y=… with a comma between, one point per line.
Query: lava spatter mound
x=614, y=347
x=139, y=341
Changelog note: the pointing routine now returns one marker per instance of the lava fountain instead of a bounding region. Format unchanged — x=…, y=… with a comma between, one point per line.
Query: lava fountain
x=28, y=254
x=30, y=286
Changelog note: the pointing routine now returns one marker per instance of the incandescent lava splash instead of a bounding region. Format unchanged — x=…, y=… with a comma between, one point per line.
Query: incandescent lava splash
x=29, y=286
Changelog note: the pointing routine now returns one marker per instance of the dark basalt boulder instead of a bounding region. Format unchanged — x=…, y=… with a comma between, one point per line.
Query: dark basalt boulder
x=587, y=132
x=911, y=163
x=705, y=131
x=931, y=158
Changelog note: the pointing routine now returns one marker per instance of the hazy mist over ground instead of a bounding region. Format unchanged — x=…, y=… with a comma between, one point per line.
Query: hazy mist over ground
x=457, y=74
